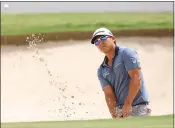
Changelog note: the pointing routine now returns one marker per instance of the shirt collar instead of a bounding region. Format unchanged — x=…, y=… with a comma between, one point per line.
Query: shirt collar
x=105, y=61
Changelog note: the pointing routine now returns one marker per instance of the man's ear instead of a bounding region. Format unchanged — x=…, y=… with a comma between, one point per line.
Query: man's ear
x=114, y=38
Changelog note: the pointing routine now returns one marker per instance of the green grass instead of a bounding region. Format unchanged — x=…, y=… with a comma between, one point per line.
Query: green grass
x=15, y=24
x=135, y=122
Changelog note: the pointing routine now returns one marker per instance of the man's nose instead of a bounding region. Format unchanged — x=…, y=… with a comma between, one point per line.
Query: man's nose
x=101, y=42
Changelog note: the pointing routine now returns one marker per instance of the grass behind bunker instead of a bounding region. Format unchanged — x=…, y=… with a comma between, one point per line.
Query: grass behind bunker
x=20, y=24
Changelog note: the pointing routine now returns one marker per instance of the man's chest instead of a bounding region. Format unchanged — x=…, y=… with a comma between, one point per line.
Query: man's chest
x=114, y=72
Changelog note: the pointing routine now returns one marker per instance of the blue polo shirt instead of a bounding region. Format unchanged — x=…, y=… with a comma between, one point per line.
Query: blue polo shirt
x=117, y=76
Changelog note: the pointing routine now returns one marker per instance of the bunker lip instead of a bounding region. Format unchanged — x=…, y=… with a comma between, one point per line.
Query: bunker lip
x=83, y=35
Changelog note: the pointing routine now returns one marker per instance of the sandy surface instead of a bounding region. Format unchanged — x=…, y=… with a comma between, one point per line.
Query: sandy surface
x=59, y=82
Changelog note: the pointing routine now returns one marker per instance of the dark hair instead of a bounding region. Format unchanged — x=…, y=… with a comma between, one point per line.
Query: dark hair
x=115, y=42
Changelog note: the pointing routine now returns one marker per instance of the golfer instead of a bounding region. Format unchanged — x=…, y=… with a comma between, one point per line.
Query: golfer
x=121, y=77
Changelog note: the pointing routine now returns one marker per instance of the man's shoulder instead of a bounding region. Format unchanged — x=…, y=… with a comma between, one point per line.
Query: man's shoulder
x=126, y=50
x=100, y=70
x=100, y=67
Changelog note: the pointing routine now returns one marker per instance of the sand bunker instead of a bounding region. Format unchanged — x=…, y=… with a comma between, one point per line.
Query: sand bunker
x=59, y=82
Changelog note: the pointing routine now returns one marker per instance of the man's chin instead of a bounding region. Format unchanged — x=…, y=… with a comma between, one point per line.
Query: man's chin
x=105, y=51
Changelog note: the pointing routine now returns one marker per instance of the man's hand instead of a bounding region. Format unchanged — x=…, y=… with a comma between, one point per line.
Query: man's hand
x=126, y=110
x=114, y=116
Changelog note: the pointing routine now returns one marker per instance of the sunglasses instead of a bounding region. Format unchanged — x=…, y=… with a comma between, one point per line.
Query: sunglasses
x=102, y=38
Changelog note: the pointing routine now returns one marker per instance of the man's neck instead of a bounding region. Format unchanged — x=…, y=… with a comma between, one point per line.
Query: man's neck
x=111, y=54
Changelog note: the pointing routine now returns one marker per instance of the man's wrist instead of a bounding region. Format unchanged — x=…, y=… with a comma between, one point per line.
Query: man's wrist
x=128, y=101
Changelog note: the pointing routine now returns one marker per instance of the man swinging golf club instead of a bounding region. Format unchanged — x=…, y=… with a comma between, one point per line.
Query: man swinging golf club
x=121, y=77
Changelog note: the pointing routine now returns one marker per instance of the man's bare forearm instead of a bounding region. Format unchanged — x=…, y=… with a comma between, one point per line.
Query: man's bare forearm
x=133, y=87
x=133, y=90
x=111, y=103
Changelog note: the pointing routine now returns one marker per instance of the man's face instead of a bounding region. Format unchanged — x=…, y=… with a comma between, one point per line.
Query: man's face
x=104, y=43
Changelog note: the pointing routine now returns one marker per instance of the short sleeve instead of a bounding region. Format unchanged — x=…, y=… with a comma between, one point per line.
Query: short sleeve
x=102, y=80
x=131, y=59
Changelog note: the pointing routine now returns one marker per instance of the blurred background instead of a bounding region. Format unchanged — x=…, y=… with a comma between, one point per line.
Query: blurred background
x=49, y=67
